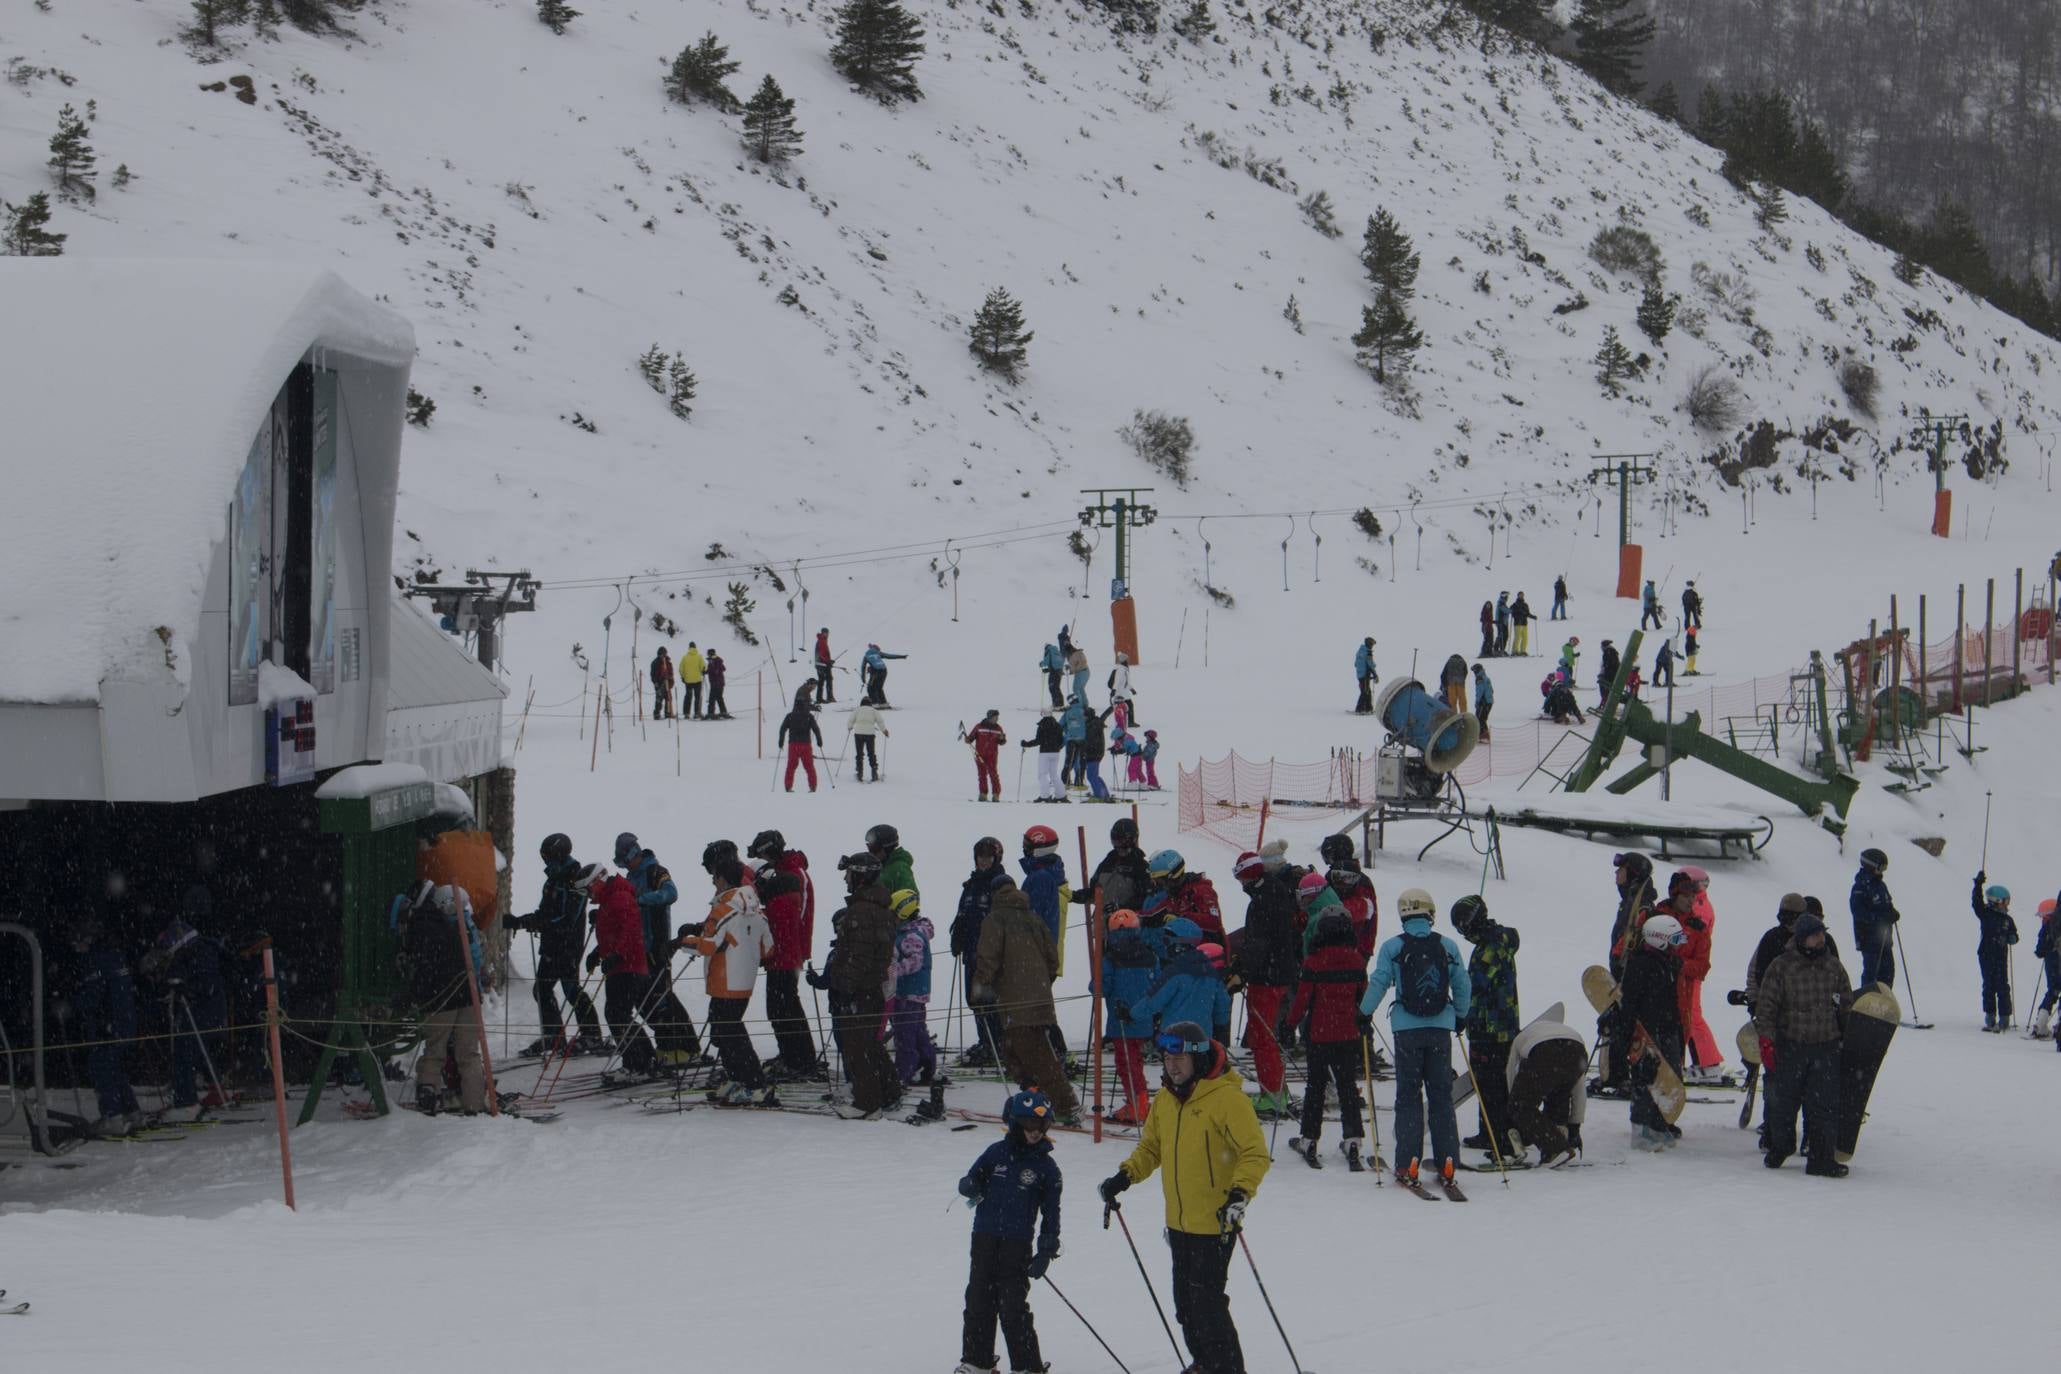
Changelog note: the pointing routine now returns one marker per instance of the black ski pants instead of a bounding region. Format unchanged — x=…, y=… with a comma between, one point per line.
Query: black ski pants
x=1875, y=943
x=621, y=995
x=1202, y=1268
x=863, y=754
x=856, y=1021
x=1052, y=676
x=823, y=684
x=690, y=700
x=1538, y=1099
x=1336, y=1063
x=1805, y=1076
x=998, y=1289
x=1994, y=961
x=716, y=705
x=665, y=1013
x=1487, y=1058
x=553, y=979
x=1365, y=705
x=733, y=1041
x=790, y=1022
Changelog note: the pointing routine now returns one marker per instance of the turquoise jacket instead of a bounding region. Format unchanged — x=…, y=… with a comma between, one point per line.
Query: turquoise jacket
x=1459, y=987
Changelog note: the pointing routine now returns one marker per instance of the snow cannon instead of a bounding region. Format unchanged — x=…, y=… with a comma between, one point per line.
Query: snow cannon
x=1416, y=718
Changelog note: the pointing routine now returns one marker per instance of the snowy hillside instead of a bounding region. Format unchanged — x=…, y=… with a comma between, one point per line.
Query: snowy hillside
x=544, y=216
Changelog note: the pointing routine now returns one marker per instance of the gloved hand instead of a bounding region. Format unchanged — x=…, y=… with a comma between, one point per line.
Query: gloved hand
x=1111, y=1186
x=1040, y=1262
x=1123, y=1010
x=1767, y=1055
x=1231, y=1215
x=1736, y=997
x=1365, y=1024
x=1693, y=922
x=593, y=961
x=693, y=929
x=981, y=996
x=815, y=979
x=971, y=1189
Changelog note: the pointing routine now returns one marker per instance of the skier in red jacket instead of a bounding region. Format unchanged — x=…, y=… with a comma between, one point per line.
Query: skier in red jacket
x=789, y=896
x=1187, y=894
x=987, y=738
x=1687, y=903
x=1334, y=976
x=619, y=953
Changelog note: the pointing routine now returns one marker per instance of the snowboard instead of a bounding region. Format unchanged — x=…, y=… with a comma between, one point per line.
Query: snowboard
x=1748, y=1041
x=1870, y=1024
x=1668, y=1093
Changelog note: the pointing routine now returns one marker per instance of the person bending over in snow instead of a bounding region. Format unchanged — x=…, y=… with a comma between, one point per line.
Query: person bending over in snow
x=1993, y=951
x=1205, y=1143
x=1013, y=1189
x=1547, y=1098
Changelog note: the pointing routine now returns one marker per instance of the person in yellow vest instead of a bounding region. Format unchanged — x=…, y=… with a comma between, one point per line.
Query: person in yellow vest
x=1204, y=1138
x=692, y=670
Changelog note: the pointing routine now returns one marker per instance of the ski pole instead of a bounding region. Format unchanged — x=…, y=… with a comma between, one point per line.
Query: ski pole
x=1019, y=797
x=1373, y=1117
x=1495, y=1128
x=1904, y=959
x=209, y=1060
x=1085, y=1322
x=1292, y=1360
x=1169, y=1326
x=1985, y=834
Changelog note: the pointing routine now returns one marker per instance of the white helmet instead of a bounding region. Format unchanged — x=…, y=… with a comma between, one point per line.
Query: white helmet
x=1415, y=901
x=1662, y=932
x=451, y=900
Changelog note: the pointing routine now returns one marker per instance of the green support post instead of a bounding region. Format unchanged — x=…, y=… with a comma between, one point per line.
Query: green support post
x=1609, y=737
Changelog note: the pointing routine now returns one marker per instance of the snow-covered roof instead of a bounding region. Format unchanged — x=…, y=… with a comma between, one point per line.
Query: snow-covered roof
x=131, y=391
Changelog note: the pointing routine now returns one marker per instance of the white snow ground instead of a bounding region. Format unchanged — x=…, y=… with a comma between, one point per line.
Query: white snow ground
x=615, y=1237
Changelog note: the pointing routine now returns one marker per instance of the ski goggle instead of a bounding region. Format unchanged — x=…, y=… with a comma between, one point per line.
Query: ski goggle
x=1176, y=1044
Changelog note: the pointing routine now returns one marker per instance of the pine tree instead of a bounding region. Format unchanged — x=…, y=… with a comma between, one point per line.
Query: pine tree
x=1656, y=312
x=27, y=232
x=1769, y=208
x=71, y=156
x=701, y=70
x=1292, y=312
x=680, y=396
x=769, y=129
x=878, y=43
x=1667, y=103
x=311, y=16
x=1610, y=44
x=1385, y=251
x=1388, y=337
x=653, y=367
x=999, y=339
x=1319, y=211
x=210, y=17
x=1613, y=362
x=1197, y=24
x=556, y=15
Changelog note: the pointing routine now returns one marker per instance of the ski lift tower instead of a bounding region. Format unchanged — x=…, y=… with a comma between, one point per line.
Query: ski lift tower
x=1624, y=469
x=1118, y=508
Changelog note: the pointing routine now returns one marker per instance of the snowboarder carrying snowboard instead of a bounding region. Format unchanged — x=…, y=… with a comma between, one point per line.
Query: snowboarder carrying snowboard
x=1432, y=994
x=1013, y=1189
x=1799, y=1014
x=1652, y=1014
x=1204, y=1140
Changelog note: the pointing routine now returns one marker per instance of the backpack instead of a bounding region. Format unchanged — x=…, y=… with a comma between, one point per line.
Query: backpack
x=1420, y=980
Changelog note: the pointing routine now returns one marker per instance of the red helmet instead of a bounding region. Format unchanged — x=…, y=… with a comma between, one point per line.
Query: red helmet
x=1125, y=919
x=1040, y=838
x=1248, y=868
x=1312, y=883
x=1212, y=952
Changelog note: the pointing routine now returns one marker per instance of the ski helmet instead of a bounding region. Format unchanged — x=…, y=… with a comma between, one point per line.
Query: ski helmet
x=1312, y=883
x=1124, y=832
x=1636, y=864
x=557, y=848
x=626, y=849
x=1344, y=879
x=1214, y=953
x=1183, y=1037
x=2046, y=909
x=589, y=875
x=883, y=837
x=1166, y=866
x=451, y=900
x=1997, y=892
x=1415, y=901
x=1182, y=929
x=1697, y=876
x=1127, y=919
x=1665, y=932
x=1040, y=839
x=987, y=846
x=719, y=856
x=1874, y=859
x=1248, y=869
x=905, y=905
x=860, y=869
x=1468, y=912
x=1336, y=849
x=768, y=845
x=1031, y=1108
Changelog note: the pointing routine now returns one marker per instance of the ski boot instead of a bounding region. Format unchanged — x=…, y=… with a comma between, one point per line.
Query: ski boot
x=1478, y=1141
x=1825, y=1168
x=968, y=1367
x=1353, y=1162
x=426, y=1099
x=2041, y=1025
x=590, y=1043
x=1308, y=1150
x=536, y=1049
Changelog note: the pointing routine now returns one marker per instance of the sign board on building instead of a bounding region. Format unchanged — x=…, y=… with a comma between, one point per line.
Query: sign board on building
x=290, y=742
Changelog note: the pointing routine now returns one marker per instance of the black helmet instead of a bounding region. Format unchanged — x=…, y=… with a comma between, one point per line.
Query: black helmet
x=1336, y=849
x=626, y=849
x=883, y=837
x=556, y=849
x=1125, y=831
x=767, y=844
x=1637, y=864
x=860, y=870
x=1467, y=912
x=988, y=845
x=720, y=856
x=1874, y=859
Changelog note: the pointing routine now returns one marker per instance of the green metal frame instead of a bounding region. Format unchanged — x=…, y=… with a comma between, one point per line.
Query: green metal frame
x=378, y=833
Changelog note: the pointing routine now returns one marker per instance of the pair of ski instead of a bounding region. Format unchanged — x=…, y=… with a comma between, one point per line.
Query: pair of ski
x=1450, y=1189
x=11, y=1309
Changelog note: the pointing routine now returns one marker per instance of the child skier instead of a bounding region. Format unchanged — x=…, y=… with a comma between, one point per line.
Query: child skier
x=1013, y=1189
x=2047, y=949
x=1148, y=760
x=1993, y=951
x=909, y=1011
x=1189, y=987
x=1427, y=1008
x=1129, y=967
x=1492, y=1017
x=1333, y=977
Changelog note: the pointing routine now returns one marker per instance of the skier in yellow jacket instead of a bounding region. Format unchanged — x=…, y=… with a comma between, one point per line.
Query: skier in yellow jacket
x=1204, y=1137
x=692, y=668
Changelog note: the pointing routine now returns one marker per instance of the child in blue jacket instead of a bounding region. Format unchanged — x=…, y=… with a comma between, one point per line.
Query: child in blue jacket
x=1190, y=987
x=1130, y=964
x=1013, y=1189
